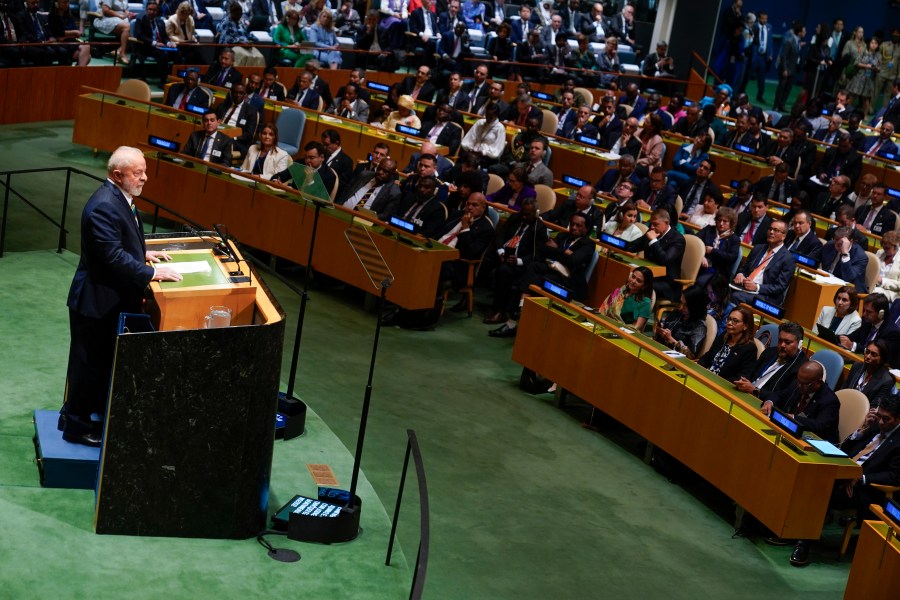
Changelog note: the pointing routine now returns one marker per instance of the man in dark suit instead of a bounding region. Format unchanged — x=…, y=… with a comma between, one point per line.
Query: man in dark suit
x=270, y=88
x=209, y=144
x=187, y=92
x=150, y=29
x=845, y=217
x=875, y=326
x=223, y=73
x=314, y=157
x=236, y=111
x=762, y=54
x=875, y=216
x=767, y=270
x=471, y=232
x=693, y=192
x=846, y=260
x=654, y=192
x=776, y=368
x=423, y=23
x=321, y=86
x=624, y=171
x=433, y=163
x=264, y=14
x=778, y=186
x=632, y=97
x=418, y=86
x=422, y=208
x=357, y=77
x=522, y=27
x=876, y=447
x=811, y=403
x=891, y=112
x=523, y=110
x=828, y=202
x=32, y=28
x=623, y=25
x=582, y=202
x=842, y=160
x=596, y=26
x=455, y=96
x=373, y=190
x=881, y=145
x=349, y=105
x=802, y=239
x=753, y=224
x=450, y=18
x=626, y=141
x=663, y=245
x=303, y=93
x=454, y=49
x=443, y=131
x=692, y=124
x=583, y=126
x=566, y=115
x=784, y=151
x=111, y=278
x=495, y=95
x=830, y=134
x=335, y=157
x=478, y=87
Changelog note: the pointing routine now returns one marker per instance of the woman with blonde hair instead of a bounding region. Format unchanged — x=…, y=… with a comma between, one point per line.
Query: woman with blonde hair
x=324, y=37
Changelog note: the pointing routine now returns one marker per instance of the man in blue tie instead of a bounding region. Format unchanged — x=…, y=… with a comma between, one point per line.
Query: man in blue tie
x=762, y=54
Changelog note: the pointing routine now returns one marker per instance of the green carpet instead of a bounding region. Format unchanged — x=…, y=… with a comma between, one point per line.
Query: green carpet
x=524, y=502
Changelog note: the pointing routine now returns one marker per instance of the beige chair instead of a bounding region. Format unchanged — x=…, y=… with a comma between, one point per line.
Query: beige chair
x=546, y=198
x=712, y=329
x=135, y=88
x=586, y=94
x=896, y=220
x=872, y=270
x=321, y=104
x=759, y=347
x=679, y=206
x=694, y=251
x=854, y=406
x=627, y=108
x=642, y=227
x=495, y=182
x=551, y=122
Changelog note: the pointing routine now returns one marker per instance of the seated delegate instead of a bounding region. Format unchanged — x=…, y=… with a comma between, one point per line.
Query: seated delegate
x=631, y=304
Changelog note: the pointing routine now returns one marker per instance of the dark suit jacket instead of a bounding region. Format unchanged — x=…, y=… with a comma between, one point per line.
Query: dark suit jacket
x=888, y=332
x=198, y=97
x=638, y=106
x=472, y=243
x=342, y=165
x=777, y=274
x=632, y=148
x=562, y=213
x=460, y=102
x=888, y=147
x=883, y=466
x=589, y=130
x=417, y=22
x=567, y=125
x=759, y=236
x=431, y=218
x=248, y=121
x=784, y=380
x=685, y=128
x=384, y=202
x=259, y=11
x=723, y=258
x=690, y=201
x=884, y=221
x=482, y=100
x=450, y=136
x=825, y=205
x=853, y=271
x=607, y=183
x=821, y=414
x=143, y=30
x=112, y=273
x=512, y=114
x=221, y=147
x=666, y=251
x=665, y=198
x=409, y=84
x=788, y=189
x=212, y=76
x=810, y=246
x=738, y=364
x=849, y=164
x=311, y=100
x=879, y=385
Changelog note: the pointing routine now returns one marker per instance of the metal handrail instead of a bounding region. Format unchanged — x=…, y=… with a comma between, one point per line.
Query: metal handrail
x=418, y=581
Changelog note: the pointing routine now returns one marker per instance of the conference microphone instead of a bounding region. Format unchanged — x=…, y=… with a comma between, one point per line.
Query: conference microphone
x=238, y=275
x=216, y=246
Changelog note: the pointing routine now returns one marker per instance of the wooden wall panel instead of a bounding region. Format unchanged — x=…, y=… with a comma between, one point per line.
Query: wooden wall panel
x=48, y=93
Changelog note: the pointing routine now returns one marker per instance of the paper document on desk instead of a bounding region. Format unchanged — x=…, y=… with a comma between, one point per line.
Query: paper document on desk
x=741, y=289
x=828, y=279
x=674, y=354
x=191, y=266
x=626, y=330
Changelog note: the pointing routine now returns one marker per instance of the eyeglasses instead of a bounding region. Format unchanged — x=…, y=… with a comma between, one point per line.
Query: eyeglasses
x=777, y=230
x=734, y=321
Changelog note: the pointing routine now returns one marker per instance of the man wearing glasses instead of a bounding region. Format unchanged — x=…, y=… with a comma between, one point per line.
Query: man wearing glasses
x=776, y=368
x=418, y=87
x=767, y=271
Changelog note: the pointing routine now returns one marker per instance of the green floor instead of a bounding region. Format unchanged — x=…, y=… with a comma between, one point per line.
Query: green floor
x=525, y=503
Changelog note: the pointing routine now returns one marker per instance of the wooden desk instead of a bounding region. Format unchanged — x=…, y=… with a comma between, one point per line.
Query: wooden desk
x=107, y=121
x=806, y=298
x=282, y=225
x=721, y=436
x=875, y=573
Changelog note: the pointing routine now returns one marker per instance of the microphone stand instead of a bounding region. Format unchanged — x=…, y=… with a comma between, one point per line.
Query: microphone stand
x=364, y=417
x=286, y=399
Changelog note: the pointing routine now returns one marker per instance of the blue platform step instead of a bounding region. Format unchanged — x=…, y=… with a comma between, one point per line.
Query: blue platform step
x=62, y=464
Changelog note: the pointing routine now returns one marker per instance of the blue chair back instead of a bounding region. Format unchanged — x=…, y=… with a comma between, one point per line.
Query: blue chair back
x=590, y=268
x=493, y=215
x=833, y=363
x=768, y=334
x=290, y=125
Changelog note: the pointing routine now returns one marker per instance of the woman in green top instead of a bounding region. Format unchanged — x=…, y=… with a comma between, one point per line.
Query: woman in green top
x=289, y=35
x=630, y=303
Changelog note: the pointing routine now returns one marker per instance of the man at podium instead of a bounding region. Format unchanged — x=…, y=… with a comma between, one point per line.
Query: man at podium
x=111, y=278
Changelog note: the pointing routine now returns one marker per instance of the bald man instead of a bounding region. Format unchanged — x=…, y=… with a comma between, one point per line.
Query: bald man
x=812, y=403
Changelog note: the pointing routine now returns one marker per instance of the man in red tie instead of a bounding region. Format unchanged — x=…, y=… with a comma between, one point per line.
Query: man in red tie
x=753, y=223
x=882, y=146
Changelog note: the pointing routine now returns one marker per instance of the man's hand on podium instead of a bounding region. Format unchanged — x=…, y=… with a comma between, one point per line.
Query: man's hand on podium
x=162, y=273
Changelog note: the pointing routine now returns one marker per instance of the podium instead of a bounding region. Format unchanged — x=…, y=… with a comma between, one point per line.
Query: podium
x=190, y=423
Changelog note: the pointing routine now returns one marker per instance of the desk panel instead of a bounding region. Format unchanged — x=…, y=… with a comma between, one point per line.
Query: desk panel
x=282, y=224
x=875, y=574
x=785, y=489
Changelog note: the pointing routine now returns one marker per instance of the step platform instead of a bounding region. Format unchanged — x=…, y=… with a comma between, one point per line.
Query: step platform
x=62, y=464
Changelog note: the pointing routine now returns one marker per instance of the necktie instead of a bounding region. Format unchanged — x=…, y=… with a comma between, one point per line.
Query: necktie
x=137, y=220
x=751, y=230
x=300, y=97
x=365, y=198
x=413, y=211
x=415, y=92
x=184, y=99
x=870, y=447
x=204, y=152
x=222, y=78
x=874, y=148
x=873, y=212
x=229, y=115
x=761, y=266
x=762, y=40
x=872, y=334
x=652, y=198
x=795, y=245
x=10, y=30
x=801, y=406
x=38, y=31
x=155, y=30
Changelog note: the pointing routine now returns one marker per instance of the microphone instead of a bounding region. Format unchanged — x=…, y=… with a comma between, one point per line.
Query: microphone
x=232, y=252
x=216, y=246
